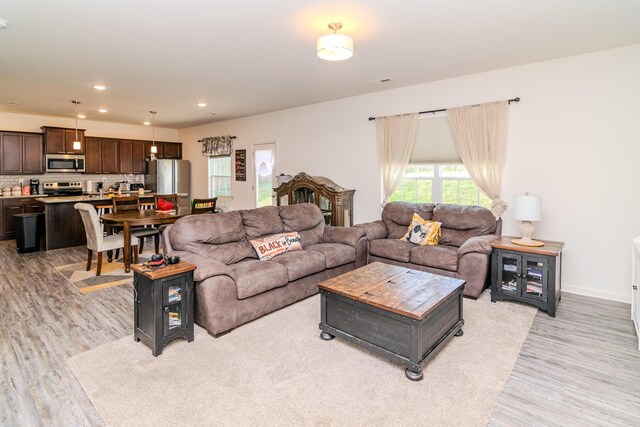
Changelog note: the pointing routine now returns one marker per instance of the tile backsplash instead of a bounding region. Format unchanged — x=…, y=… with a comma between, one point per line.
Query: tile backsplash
x=110, y=180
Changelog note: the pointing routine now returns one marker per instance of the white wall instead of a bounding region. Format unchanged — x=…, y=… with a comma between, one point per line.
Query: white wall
x=574, y=139
x=32, y=123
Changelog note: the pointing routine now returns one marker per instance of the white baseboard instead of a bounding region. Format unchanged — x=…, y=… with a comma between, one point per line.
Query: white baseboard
x=596, y=293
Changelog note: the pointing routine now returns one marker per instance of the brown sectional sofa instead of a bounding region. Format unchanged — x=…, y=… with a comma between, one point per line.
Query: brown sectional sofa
x=233, y=286
x=463, y=251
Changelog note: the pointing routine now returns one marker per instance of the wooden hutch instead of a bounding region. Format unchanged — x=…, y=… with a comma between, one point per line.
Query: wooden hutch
x=335, y=202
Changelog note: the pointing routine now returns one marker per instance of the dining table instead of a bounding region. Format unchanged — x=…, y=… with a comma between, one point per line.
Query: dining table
x=128, y=219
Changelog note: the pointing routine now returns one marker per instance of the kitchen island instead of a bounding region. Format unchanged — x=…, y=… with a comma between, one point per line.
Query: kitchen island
x=63, y=225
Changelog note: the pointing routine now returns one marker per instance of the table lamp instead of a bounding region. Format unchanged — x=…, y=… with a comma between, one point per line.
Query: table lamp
x=527, y=209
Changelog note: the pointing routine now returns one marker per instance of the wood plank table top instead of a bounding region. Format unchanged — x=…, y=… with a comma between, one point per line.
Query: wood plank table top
x=158, y=273
x=401, y=290
x=549, y=248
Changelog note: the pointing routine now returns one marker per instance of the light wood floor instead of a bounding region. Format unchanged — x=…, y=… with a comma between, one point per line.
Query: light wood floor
x=582, y=368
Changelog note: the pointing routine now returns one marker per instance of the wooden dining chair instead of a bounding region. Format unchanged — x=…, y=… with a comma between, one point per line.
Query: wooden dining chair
x=96, y=241
x=132, y=203
x=173, y=198
x=201, y=206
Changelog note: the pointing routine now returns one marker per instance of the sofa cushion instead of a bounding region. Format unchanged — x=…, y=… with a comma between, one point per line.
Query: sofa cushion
x=306, y=219
x=335, y=254
x=460, y=223
x=190, y=232
x=391, y=249
x=254, y=277
x=397, y=216
x=262, y=221
x=270, y=246
x=422, y=232
x=443, y=257
x=301, y=263
x=227, y=253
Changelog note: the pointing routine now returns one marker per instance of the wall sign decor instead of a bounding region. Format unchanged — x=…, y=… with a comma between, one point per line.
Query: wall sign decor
x=217, y=146
x=241, y=165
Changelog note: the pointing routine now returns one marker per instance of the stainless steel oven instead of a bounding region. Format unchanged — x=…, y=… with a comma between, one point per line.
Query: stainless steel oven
x=65, y=162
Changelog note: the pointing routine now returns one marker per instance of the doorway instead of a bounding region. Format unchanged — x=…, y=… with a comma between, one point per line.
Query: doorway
x=265, y=171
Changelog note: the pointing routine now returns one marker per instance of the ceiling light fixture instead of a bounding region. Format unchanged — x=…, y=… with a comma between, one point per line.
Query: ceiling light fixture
x=335, y=47
x=202, y=104
x=99, y=87
x=81, y=116
x=103, y=110
x=3, y=24
x=12, y=103
x=146, y=123
x=76, y=142
x=154, y=147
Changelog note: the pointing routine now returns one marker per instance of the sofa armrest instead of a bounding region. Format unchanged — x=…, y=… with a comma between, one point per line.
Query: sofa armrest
x=479, y=244
x=345, y=235
x=205, y=267
x=374, y=230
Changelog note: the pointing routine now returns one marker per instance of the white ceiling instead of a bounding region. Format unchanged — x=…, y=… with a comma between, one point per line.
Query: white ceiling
x=248, y=57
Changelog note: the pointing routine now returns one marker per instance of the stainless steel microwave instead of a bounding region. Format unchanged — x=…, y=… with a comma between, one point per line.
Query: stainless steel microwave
x=64, y=162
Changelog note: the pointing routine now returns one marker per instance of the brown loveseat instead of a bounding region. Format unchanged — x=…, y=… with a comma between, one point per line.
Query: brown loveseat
x=463, y=251
x=232, y=286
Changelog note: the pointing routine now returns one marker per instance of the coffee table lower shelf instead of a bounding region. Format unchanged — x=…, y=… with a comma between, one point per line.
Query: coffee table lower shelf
x=401, y=339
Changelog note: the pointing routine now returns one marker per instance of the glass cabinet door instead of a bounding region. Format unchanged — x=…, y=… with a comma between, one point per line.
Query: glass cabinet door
x=508, y=274
x=326, y=208
x=535, y=282
x=174, y=302
x=303, y=195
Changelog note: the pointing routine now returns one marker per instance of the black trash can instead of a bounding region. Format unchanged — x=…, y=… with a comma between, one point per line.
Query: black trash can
x=27, y=232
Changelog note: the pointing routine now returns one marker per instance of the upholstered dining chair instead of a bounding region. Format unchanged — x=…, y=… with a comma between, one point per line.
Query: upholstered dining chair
x=201, y=206
x=96, y=241
x=132, y=203
x=224, y=203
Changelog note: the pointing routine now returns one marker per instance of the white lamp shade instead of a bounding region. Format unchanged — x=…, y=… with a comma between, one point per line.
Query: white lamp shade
x=154, y=149
x=77, y=145
x=527, y=208
x=335, y=47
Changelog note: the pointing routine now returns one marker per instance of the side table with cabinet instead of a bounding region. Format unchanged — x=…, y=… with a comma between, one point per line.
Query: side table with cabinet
x=163, y=304
x=527, y=274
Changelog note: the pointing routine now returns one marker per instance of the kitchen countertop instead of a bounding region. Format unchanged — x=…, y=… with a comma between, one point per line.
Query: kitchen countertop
x=89, y=198
x=21, y=197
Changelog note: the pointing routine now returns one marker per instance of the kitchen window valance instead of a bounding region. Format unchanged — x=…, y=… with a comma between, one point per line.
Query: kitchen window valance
x=217, y=146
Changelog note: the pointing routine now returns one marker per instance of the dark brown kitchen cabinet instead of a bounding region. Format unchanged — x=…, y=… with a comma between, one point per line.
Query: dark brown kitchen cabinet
x=60, y=140
x=11, y=207
x=11, y=152
x=93, y=156
x=109, y=156
x=125, y=156
x=138, y=157
x=172, y=151
x=147, y=149
x=21, y=152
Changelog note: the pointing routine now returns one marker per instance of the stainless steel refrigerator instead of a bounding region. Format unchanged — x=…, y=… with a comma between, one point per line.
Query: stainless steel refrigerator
x=168, y=177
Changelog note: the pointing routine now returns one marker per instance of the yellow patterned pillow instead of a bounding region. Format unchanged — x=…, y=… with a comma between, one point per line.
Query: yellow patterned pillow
x=422, y=231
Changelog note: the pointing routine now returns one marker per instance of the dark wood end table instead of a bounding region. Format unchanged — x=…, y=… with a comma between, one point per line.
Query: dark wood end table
x=163, y=304
x=531, y=275
x=402, y=314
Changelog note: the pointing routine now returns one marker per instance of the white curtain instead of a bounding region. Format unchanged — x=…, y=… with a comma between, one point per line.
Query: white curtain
x=480, y=135
x=396, y=136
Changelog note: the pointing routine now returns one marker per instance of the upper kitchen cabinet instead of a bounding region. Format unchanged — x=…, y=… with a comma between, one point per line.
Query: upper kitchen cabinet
x=172, y=150
x=132, y=157
x=102, y=155
x=60, y=140
x=93, y=156
x=147, y=149
x=21, y=152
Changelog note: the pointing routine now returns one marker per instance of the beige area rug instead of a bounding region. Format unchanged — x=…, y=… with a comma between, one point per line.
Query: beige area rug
x=111, y=274
x=277, y=371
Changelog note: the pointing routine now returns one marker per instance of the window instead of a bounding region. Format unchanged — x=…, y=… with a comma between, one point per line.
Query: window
x=439, y=184
x=219, y=176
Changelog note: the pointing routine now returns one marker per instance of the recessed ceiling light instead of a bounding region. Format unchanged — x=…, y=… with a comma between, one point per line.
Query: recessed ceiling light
x=385, y=80
x=211, y=114
x=99, y=87
x=12, y=103
x=3, y=24
x=202, y=104
x=103, y=110
x=82, y=116
x=146, y=123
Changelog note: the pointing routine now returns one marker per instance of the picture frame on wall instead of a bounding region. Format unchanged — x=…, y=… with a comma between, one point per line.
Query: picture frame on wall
x=241, y=165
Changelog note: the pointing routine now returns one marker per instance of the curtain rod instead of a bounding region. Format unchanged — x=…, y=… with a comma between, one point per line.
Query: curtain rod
x=516, y=99
x=232, y=137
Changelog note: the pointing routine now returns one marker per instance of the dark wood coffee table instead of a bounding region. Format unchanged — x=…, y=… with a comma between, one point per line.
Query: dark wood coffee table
x=402, y=314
